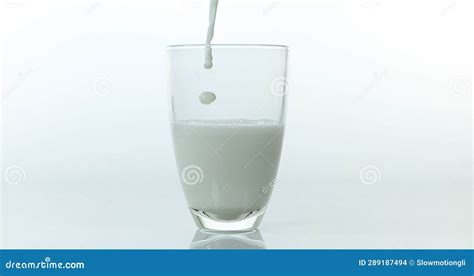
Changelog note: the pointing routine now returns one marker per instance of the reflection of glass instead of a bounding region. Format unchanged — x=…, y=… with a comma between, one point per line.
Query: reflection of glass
x=228, y=124
x=244, y=240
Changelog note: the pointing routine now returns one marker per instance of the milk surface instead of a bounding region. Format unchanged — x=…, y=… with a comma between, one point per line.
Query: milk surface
x=227, y=167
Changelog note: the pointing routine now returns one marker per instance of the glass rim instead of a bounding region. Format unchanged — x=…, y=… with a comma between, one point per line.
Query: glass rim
x=186, y=46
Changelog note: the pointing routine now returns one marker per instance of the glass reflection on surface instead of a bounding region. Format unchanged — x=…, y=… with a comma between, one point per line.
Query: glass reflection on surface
x=219, y=240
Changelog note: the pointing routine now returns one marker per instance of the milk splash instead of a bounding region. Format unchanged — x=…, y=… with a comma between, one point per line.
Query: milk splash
x=210, y=34
x=207, y=97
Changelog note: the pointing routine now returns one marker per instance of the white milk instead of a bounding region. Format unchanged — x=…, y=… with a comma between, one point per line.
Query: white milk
x=227, y=168
x=210, y=34
x=207, y=97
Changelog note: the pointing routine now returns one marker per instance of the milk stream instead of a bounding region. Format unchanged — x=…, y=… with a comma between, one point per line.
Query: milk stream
x=210, y=34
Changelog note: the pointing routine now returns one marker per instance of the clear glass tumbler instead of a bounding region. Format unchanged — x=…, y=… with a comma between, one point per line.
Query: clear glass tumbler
x=227, y=126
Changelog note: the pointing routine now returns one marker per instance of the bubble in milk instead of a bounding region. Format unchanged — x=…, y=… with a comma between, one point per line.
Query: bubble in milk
x=207, y=97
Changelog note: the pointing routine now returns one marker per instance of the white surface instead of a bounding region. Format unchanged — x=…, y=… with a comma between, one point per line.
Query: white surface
x=386, y=84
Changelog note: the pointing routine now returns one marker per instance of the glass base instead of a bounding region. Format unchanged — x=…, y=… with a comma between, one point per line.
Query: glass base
x=249, y=222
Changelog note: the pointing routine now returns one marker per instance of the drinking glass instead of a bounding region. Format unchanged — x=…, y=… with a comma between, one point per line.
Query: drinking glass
x=227, y=124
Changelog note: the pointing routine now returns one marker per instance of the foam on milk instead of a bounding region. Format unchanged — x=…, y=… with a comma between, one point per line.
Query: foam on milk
x=210, y=34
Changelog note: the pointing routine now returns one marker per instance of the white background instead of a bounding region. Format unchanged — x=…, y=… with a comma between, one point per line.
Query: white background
x=381, y=83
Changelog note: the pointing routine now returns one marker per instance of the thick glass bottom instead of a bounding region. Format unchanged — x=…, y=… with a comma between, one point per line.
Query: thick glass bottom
x=249, y=221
